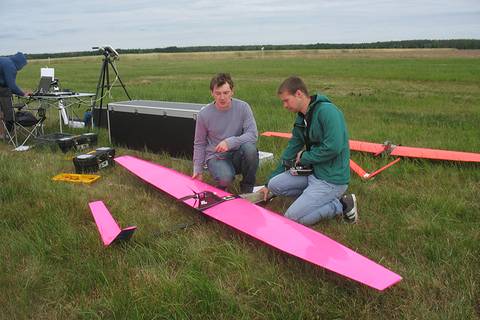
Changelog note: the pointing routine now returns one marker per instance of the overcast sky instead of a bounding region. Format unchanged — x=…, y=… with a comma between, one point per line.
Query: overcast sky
x=59, y=26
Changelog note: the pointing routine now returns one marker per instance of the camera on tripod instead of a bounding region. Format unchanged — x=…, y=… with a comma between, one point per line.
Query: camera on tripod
x=110, y=55
x=298, y=169
x=108, y=51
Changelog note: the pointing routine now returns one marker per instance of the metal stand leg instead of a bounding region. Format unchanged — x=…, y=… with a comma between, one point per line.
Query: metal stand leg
x=104, y=83
x=60, y=120
x=60, y=115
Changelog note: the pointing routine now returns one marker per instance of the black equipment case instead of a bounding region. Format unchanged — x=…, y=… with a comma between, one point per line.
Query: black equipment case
x=99, y=117
x=95, y=160
x=67, y=141
x=159, y=126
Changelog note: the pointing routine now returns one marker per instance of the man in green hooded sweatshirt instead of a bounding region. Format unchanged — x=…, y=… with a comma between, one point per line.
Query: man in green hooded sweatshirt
x=320, y=145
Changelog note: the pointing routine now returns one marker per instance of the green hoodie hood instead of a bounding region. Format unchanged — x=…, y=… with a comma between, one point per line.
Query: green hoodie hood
x=320, y=98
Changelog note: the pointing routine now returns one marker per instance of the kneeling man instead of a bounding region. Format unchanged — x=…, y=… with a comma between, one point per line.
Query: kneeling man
x=320, y=145
x=225, y=138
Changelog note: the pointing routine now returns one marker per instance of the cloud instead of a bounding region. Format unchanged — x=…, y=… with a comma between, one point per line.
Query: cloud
x=77, y=25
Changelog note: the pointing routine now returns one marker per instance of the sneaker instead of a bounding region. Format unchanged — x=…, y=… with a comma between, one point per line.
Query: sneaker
x=350, y=212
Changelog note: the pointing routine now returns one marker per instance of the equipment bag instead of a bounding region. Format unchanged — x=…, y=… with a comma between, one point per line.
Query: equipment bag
x=25, y=118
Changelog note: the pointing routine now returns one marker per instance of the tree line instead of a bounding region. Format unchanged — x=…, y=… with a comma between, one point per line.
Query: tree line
x=461, y=44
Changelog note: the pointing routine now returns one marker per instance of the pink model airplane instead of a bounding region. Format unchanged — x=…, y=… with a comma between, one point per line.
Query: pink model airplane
x=262, y=224
x=107, y=226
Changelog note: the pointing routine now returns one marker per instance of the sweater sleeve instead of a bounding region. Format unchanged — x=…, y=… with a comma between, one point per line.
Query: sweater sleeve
x=199, y=145
x=249, y=129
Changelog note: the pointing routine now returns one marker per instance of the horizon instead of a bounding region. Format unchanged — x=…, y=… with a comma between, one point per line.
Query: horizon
x=269, y=45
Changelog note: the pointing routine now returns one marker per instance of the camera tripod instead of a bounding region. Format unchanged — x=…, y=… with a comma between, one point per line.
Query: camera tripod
x=104, y=82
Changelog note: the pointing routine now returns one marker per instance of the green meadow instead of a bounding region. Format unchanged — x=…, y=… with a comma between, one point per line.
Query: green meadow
x=419, y=218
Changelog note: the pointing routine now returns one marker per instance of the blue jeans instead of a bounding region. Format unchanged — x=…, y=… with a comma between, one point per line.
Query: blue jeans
x=317, y=199
x=224, y=166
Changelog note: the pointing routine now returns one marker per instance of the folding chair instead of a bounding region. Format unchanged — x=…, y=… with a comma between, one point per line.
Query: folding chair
x=25, y=125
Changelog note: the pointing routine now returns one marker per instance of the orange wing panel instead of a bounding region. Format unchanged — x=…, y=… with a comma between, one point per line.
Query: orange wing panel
x=435, y=154
x=363, y=146
x=400, y=151
x=277, y=134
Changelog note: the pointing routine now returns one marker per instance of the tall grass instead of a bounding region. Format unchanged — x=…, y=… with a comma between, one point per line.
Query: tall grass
x=419, y=218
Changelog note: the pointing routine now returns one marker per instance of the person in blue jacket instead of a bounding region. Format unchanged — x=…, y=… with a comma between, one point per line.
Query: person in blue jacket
x=9, y=66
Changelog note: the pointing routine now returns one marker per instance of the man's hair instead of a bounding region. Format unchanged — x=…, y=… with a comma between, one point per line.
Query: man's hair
x=220, y=79
x=291, y=85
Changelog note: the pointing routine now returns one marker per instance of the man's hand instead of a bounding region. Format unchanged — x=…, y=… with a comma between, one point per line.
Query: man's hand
x=264, y=190
x=197, y=176
x=222, y=147
x=299, y=157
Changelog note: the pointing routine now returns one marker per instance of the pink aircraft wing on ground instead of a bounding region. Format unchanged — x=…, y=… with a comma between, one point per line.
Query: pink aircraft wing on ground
x=266, y=226
x=107, y=226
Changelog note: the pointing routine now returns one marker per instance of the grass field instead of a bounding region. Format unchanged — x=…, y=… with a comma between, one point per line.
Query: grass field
x=419, y=218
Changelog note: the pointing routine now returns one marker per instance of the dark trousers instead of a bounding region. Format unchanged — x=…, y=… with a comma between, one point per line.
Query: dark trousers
x=6, y=107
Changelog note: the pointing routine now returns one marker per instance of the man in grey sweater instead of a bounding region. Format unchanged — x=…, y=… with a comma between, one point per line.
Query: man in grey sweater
x=225, y=138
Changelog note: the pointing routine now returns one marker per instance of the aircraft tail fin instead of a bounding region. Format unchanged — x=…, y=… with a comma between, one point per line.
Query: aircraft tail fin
x=108, y=228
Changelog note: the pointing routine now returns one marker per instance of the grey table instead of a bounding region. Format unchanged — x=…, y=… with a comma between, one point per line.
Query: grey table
x=62, y=101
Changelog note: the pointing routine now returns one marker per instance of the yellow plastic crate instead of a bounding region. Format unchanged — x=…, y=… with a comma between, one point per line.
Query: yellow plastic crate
x=76, y=178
